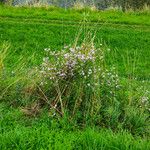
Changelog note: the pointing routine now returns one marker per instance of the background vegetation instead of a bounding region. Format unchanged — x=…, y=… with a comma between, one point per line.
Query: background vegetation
x=99, y=4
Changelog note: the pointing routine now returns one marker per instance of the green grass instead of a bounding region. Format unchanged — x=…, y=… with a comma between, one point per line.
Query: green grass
x=27, y=31
x=33, y=35
x=20, y=132
x=53, y=13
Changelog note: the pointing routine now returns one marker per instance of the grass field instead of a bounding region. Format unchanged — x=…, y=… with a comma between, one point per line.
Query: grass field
x=30, y=31
x=26, y=32
x=20, y=132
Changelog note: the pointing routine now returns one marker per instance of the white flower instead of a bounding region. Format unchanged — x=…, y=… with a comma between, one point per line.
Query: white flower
x=47, y=49
x=92, y=51
x=117, y=86
x=88, y=84
x=45, y=59
x=41, y=83
x=77, y=47
x=82, y=72
x=65, y=47
x=66, y=55
x=62, y=75
x=144, y=99
x=99, y=69
x=72, y=50
x=82, y=57
x=50, y=69
x=13, y=72
x=90, y=71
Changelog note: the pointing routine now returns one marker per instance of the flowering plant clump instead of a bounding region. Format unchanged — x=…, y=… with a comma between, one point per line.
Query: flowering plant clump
x=68, y=63
x=79, y=79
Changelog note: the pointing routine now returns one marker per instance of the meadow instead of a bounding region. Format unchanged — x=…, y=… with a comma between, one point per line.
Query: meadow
x=45, y=105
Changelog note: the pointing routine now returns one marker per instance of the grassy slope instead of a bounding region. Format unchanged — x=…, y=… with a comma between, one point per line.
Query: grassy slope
x=29, y=31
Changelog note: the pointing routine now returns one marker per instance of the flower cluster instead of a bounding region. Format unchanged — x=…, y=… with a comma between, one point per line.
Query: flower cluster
x=110, y=80
x=84, y=63
x=145, y=101
x=68, y=63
